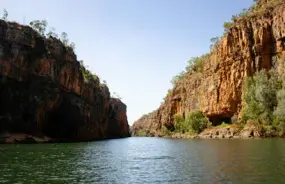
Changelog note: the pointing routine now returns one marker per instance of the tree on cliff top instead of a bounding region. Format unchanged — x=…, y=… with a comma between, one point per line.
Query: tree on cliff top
x=39, y=26
x=5, y=14
x=65, y=41
x=87, y=75
x=52, y=33
x=195, y=65
x=64, y=38
x=116, y=95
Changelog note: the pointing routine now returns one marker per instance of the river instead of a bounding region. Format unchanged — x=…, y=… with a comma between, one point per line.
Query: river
x=145, y=160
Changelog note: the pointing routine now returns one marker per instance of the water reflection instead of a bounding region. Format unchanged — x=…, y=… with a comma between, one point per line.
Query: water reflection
x=145, y=160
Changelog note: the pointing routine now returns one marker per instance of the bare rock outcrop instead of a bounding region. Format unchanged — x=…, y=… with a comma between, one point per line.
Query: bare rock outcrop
x=43, y=91
x=247, y=47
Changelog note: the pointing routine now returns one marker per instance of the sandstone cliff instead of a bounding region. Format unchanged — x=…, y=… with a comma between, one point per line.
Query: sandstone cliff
x=249, y=45
x=43, y=91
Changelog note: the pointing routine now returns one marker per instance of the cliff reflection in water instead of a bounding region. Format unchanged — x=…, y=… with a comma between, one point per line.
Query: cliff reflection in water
x=145, y=160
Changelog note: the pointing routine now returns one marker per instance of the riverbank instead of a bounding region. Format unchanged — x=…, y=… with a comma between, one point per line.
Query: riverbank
x=23, y=138
x=231, y=131
x=11, y=138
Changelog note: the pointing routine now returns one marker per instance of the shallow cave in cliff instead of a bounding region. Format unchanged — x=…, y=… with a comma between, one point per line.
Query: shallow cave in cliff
x=218, y=120
x=63, y=121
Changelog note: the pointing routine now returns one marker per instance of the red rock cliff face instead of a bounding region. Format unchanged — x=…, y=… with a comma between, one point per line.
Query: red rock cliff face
x=42, y=91
x=249, y=46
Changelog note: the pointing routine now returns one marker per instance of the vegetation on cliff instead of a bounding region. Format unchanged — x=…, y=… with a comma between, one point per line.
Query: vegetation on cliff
x=263, y=93
x=46, y=92
x=41, y=27
x=194, y=122
x=195, y=65
x=264, y=97
x=237, y=85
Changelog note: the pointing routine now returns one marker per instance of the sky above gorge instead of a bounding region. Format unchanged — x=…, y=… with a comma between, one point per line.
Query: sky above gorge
x=137, y=46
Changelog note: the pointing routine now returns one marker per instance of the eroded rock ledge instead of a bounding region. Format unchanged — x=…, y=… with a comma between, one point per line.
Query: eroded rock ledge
x=249, y=46
x=43, y=92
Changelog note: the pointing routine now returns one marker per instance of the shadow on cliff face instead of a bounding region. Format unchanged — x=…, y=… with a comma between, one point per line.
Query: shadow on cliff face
x=22, y=103
x=218, y=120
x=64, y=120
x=45, y=91
x=116, y=119
x=38, y=107
x=14, y=108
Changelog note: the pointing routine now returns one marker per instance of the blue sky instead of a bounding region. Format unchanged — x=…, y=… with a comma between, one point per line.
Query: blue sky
x=137, y=46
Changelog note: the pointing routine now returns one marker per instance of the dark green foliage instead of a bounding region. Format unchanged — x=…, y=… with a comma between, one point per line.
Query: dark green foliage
x=257, y=9
x=279, y=113
x=214, y=42
x=52, y=33
x=142, y=133
x=195, y=122
x=264, y=102
x=39, y=26
x=178, y=77
x=65, y=41
x=227, y=26
x=280, y=109
x=165, y=131
x=260, y=96
x=87, y=75
x=179, y=123
x=195, y=65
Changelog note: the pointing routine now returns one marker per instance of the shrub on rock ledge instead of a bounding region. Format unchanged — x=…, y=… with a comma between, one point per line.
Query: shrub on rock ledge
x=197, y=121
x=194, y=122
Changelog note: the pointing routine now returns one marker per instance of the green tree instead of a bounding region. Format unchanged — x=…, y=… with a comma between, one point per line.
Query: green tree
x=279, y=113
x=196, y=121
x=179, y=124
x=52, y=33
x=5, y=14
x=227, y=26
x=196, y=64
x=178, y=77
x=259, y=96
x=214, y=42
x=39, y=26
x=64, y=38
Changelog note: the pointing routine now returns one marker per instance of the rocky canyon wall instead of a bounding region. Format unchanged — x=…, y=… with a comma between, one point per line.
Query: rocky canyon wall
x=43, y=91
x=248, y=46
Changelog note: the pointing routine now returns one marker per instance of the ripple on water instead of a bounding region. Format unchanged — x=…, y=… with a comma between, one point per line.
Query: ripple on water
x=145, y=160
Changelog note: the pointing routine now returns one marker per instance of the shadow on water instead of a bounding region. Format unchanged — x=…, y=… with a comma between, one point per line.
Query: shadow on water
x=145, y=160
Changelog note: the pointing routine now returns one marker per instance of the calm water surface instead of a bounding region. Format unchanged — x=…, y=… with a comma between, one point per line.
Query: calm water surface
x=145, y=160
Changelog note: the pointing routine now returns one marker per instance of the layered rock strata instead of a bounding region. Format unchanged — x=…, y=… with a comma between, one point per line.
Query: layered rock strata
x=43, y=91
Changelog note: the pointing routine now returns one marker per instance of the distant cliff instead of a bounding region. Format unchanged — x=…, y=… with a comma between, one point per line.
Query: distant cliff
x=44, y=92
x=249, y=45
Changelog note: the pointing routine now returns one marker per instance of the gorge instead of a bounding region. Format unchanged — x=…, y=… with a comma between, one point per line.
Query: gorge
x=253, y=42
x=47, y=95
